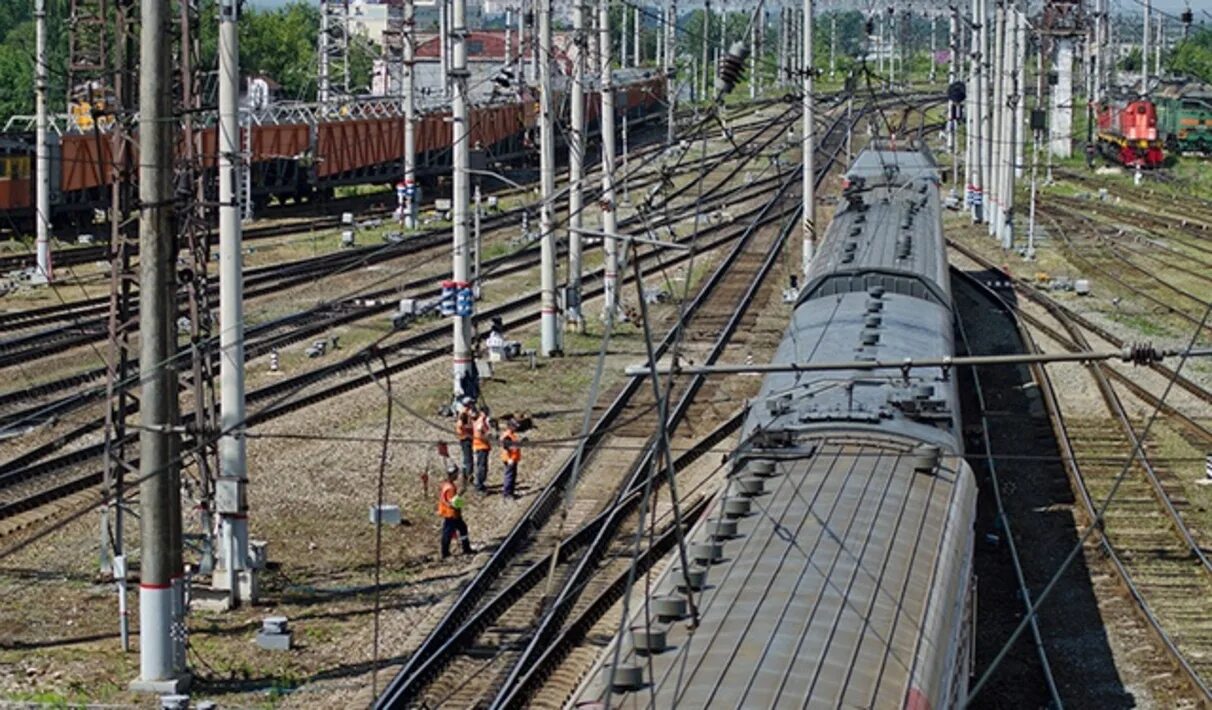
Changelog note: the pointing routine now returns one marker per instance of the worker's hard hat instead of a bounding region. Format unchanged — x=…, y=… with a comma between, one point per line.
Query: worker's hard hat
x=451, y=468
x=467, y=401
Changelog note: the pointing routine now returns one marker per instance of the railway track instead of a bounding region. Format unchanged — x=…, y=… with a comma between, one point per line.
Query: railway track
x=260, y=281
x=502, y=637
x=286, y=396
x=1200, y=394
x=1105, y=259
x=391, y=252
x=1144, y=534
x=299, y=327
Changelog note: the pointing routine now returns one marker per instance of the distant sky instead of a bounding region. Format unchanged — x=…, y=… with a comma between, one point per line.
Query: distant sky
x=1129, y=6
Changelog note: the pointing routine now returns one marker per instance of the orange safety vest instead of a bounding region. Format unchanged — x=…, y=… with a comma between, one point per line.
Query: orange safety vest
x=463, y=426
x=510, y=454
x=445, y=495
x=479, y=434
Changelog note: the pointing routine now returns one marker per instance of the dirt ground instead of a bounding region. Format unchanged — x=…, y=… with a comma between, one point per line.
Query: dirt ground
x=314, y=476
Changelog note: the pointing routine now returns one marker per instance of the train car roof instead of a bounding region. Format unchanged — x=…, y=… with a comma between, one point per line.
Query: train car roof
x=826, y=594
x=886, y=230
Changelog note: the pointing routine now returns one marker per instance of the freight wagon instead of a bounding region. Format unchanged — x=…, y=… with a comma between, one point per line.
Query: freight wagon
x=302, y=152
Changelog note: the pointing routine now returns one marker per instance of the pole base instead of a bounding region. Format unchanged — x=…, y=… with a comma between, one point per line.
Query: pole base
x=169, y=686
x=247, y=583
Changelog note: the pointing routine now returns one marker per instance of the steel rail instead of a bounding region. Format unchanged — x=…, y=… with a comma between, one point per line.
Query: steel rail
x=547, y=644
x=714, y=195
x=1055, y=307
x=443, y=642
x=1024, y=591
x=1078, y=482
x=277, y=390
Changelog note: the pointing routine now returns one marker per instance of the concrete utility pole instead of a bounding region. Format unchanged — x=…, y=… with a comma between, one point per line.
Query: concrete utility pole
x=623, y=54
x=833, y=44
x=610, y=244
x=410, y=111
x=230, y=496
x=576, y=172
x=42, y=167
x=636, y=46
x=1009, y=133
x=464, y=358
x=549, y=325
x=670, y=59
x=953, y=44
x=1157, y=46
x=1144, y=50
x=444, y=46
x=808, y=224
x=753, y=55
x=508, y=38
x=1020, y=82
x=704, y=80
x=1036, y=132
x=996, y=146
x=988, y=82
x=977, y=114
x=161, y=577
x=933, y=48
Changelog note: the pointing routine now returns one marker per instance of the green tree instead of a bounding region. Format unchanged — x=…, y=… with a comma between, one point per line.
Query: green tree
x=1193, y=56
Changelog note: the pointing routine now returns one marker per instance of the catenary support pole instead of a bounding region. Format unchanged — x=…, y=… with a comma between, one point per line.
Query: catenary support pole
x=953, y=45
x=976, y=116
x=230, y=495
x=753, y=57
x=637, y=45
x=705, y=65
x=624, y=55
x=933, y=46
x=1144, y=50
x=610, y=245
x=549, y=329
x=1035, y=140
x=410, y=112
x=808, y=225
x=996, y=144
x=160, y=573
x=576, y=171
x=670, y=59
x=42, y=163
x=464, y=358
x=1020, y=104
x=444, y=45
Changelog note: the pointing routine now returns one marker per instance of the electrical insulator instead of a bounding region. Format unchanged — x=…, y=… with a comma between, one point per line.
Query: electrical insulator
x=732, y=67
x=503, y=78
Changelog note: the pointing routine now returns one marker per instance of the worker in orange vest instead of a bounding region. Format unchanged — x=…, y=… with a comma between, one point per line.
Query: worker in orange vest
x=481, y=430
x=511, y=454
x=464, y=418
x=450, y=507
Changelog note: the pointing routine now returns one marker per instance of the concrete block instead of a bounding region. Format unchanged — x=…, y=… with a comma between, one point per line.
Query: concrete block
x=387, y=515
x=274, y=634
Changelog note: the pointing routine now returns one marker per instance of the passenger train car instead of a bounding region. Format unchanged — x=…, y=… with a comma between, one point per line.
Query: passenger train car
x=298, y=152
x=849, y=581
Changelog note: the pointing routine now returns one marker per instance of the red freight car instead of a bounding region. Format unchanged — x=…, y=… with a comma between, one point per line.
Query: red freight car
x=302, y=153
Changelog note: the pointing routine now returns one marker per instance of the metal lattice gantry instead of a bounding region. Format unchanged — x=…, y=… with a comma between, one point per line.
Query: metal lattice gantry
x=334, y=52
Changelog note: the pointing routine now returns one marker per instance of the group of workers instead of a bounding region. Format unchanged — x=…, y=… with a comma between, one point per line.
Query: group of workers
x=474, y=430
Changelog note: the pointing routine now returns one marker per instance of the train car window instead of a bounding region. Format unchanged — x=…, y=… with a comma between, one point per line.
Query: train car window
x=3, y=167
